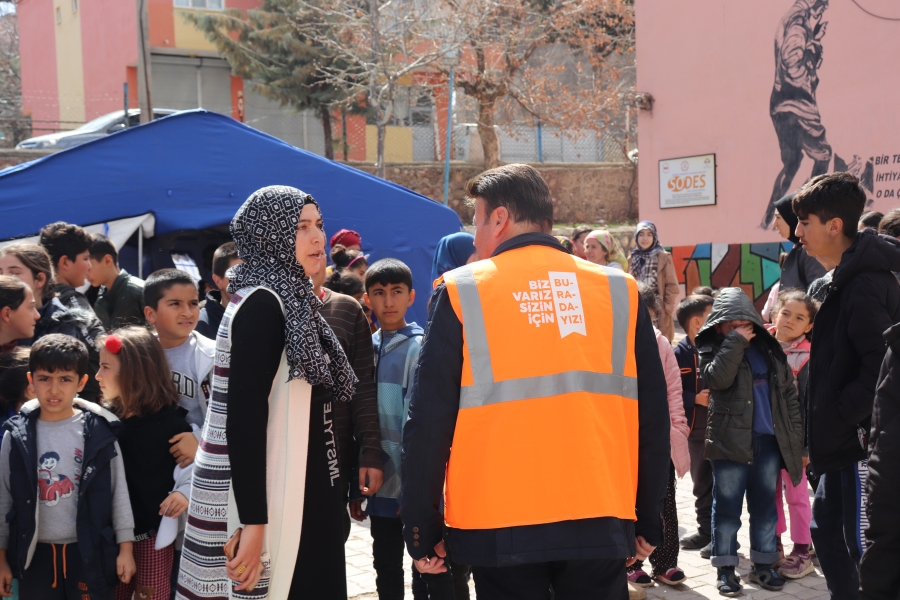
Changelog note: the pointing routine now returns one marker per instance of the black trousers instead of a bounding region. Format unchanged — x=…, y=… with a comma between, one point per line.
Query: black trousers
x=701, y=472
x=51, y=576
x=320, y=571
x=837, y=529
x=565, y=580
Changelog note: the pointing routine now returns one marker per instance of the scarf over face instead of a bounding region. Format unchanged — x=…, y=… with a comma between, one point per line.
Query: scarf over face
x=644, y=263
x=265, y=233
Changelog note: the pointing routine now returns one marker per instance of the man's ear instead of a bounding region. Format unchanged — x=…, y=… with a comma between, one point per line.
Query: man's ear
x=835, y=226
x=63, y=264
x=150, y=315
x=108, y=261
x=412, y=298
x=367, y=301
x=4, y=314
x=499, y=219
x=83, y=382
x=30, y=379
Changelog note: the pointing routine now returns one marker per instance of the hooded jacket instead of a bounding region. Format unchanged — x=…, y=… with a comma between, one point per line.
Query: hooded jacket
x=72, y=298
x=79, y=323
x=878, y=573
x=729, y=430
x=123, y=303
x=396, y=359
x=848, y=349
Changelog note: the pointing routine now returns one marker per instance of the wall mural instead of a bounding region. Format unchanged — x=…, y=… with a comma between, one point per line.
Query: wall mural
x=752, y=267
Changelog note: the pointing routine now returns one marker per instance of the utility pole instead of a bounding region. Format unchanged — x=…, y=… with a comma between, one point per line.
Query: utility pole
x=145, y=98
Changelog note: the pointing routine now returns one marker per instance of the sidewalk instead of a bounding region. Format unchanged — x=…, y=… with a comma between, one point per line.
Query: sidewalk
x=701, y=575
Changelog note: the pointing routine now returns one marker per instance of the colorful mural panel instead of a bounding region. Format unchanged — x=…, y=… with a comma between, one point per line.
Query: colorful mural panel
x=752, y=267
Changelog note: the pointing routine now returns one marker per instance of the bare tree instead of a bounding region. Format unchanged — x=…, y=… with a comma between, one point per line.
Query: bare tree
x=382, y=44
x=558, y=60
x=14, y=125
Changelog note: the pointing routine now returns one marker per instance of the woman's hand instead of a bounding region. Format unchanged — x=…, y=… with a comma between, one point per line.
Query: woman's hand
x=184, y=448
x=249, y=555
x=173, y=506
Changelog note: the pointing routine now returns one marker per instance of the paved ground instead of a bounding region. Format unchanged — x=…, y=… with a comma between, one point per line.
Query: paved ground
x=700, y=582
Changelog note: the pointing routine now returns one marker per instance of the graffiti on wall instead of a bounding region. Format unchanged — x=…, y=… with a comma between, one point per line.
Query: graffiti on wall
x=752, y=267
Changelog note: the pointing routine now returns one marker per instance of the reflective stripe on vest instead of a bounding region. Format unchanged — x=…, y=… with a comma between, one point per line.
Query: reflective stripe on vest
x=549, y=387
x=486, y=391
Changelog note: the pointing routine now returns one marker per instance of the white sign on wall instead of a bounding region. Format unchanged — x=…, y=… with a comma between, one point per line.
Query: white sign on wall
x=688, y=181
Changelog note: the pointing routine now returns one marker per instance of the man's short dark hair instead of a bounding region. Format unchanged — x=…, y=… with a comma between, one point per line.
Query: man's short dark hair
x=518, y=188
x=64, y=239
x=388, y=271
x=871, y=219
x=222, y=258
x=692, y=306
x=103, y=246
x=159, y=283
x=59, y=352
x=832, y=196
x=890, y=224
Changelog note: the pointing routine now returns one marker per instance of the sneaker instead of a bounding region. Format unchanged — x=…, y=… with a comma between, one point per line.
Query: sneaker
x=639, y=578
x=780, y=561
x=766, y=577
x=673, y=576
x=727, y=582
x=635, y=592
x=797, y=566
x=695, y=542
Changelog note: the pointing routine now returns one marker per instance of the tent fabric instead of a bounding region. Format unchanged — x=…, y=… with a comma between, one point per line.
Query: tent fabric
x=118, y=231
x=194, y=169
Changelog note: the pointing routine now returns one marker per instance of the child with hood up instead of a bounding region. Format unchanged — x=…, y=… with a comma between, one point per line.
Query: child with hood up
x=754, y=427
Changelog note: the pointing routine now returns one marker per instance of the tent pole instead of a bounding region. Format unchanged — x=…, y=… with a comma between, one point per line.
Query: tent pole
x=141, y=252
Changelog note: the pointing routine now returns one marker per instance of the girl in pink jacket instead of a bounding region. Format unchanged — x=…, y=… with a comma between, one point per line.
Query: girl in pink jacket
x=665, y=558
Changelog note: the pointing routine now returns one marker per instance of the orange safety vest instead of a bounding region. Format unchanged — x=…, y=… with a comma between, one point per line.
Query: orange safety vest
x=548, y=415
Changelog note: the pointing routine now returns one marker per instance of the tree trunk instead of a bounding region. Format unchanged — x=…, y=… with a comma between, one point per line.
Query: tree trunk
x=326, y=128
x=490, y=145
x=379, y=161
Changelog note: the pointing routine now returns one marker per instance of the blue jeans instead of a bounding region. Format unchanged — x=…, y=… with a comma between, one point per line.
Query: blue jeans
x=730, y=481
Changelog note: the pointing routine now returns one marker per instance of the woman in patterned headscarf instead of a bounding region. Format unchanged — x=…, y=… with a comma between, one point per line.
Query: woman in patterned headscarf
x=651, y=264
x=267, y=460
x=601, y=248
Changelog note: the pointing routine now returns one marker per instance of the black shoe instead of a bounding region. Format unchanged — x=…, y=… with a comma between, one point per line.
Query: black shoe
x=706, y=551
x=767, y=577
x=727, y=582
x=695, y=542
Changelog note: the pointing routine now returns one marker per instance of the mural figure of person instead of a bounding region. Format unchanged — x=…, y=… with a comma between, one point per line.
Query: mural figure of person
x=793, y=108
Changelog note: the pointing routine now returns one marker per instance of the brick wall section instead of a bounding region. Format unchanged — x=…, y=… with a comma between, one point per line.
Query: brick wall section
x=8, y=157
x=582, y=193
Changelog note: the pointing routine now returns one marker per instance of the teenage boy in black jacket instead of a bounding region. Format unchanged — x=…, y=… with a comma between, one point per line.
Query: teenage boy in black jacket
x=847, y=352
x=879, y=576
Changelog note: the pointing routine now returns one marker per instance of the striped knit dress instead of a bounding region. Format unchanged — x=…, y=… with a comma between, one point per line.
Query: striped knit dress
x=213, y=516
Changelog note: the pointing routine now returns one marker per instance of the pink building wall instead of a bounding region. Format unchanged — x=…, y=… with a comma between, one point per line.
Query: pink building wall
x=710, y=67
x=37, y=48
x=108, y=47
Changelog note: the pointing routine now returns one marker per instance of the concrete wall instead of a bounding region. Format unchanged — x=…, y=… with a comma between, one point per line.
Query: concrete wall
x=711, y=68
x=583, y=193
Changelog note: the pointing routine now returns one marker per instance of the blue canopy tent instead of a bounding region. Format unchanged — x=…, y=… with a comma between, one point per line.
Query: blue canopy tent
x=192, y=170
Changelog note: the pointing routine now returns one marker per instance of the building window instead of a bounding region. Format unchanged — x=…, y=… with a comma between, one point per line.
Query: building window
x=207, y=4
x=58, y=15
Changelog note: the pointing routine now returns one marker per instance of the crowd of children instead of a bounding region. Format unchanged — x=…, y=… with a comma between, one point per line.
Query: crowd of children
x=104, y=402
x=148, y=347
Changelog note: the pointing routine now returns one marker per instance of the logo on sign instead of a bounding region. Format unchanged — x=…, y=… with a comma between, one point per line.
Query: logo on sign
x=682, y=183
x=685, y=165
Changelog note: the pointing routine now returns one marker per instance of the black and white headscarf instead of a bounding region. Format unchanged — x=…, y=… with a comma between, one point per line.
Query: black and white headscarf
x=265, y=233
